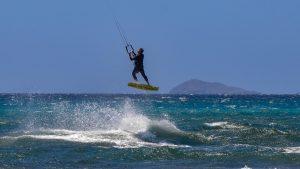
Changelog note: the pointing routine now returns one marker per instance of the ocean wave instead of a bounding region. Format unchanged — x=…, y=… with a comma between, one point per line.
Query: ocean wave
x=225, y=100
x=183, y=99
x=114, y=138
x=3, y=123
x=231, y=106
x=164, y=131
x=291, y=150
x=245, y=167
x=125, y=127
x=223, y=125
x=133, y=131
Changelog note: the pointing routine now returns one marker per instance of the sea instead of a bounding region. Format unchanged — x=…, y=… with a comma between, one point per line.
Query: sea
x=149, y=131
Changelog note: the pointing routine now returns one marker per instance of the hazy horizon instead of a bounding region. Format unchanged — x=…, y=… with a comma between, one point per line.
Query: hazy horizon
x=73, y=46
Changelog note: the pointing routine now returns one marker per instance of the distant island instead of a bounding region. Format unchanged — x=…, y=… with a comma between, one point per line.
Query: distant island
x=195, y=86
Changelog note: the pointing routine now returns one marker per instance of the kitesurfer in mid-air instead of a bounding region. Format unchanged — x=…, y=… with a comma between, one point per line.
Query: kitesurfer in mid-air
x=138, y=64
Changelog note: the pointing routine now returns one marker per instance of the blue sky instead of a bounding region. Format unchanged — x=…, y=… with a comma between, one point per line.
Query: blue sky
x=73, y=45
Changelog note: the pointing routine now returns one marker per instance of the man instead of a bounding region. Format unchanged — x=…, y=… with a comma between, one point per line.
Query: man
x=138, y=64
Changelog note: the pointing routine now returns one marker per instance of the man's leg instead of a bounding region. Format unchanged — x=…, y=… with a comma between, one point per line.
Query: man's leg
x=144, y=76
x=134, y=72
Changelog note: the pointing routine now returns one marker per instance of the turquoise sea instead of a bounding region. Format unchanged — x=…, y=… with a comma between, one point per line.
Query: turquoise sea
x=149, y=131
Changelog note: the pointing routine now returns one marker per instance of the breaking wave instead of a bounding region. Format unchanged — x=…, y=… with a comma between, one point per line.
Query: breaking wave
x=223, y=125
x=292, y=150
x=123, y=127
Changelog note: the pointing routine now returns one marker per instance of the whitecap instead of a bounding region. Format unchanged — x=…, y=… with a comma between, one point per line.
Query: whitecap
x=216, y=124
x=113, y=138
x=246, y=167
x=292, y=150
x=183, y=99
x=93, y=123
x=225, y=100
x=223, y=124
x=231, y=106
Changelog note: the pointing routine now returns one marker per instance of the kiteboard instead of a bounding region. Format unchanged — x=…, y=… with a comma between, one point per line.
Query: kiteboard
x=143, y=86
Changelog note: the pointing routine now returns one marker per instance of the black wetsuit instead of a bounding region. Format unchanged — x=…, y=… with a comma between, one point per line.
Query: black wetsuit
x=139, y=66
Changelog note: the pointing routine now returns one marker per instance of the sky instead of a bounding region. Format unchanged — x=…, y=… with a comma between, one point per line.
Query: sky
x=73, y=46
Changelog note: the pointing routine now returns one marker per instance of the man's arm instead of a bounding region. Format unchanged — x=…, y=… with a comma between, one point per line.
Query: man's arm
x=132, y=56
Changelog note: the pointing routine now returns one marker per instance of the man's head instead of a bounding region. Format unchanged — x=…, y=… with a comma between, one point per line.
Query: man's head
x=140, y=50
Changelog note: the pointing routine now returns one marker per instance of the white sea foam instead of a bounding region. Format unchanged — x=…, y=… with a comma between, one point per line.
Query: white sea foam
x=118, y=139
x=246, y=167
x=114, y=138
x=165, y=125
x=231, y=106
x=92, y=123
x=225, y=100
x=3, y=122
x=292, y=150
x=182, y=99
x=216, y=124
x=223, y=124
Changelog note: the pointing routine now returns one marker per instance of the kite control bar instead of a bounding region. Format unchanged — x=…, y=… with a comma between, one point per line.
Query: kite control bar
x=130, y=50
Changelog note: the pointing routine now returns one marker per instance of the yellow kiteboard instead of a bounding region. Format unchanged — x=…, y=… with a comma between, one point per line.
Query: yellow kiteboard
x=143, y=86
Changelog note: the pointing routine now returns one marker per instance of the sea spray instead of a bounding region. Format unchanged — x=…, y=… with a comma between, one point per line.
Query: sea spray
x=131, y=120
x=120, y=126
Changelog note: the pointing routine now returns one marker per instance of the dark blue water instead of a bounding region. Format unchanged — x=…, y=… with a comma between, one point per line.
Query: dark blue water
x=149, y=131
